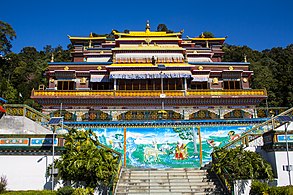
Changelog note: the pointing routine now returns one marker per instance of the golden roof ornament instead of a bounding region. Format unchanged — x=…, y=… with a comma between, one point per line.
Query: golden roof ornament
x=202, y=35
x=245, y=59
x=200, y=68
x=215, y=81
x=52, y=57
x=91, y=35
x=66, y=68
x=231, y=68
x=99, y=68
x=148, y=27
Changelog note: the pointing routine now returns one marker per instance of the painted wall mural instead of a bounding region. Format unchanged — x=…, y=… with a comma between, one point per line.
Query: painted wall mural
x=168, y=147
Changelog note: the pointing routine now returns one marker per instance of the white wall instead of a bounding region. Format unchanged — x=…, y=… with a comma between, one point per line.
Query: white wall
x=26, y=172
x=277, y=160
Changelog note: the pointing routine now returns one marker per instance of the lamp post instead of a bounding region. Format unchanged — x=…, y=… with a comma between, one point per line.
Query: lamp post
x=287, y=150
x=53, y=122
x=53, y=153
x=272, y=119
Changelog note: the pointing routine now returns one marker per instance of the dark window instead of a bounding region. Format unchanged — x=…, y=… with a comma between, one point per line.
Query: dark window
x=66, y=85
x=231, y=84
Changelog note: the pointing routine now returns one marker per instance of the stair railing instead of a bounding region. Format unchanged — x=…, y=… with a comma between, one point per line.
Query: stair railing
x=258, y=129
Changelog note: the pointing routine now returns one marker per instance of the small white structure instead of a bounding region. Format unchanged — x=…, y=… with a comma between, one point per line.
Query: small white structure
x=277, y=154
x=26, y=172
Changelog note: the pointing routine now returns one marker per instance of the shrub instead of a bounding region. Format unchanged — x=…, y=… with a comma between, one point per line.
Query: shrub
x=259, y=188
x=3, y=183
x=67, y=190
x=82, y=191
x=31, y=192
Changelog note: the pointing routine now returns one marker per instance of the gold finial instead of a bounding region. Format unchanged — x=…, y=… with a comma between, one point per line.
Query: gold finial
x=52, y=57
x=66, y=68
x=215, y=81
x=200, y=68
x=231, y=68
x=83, y=80
x=245, y=59
x=99, y=68
x=202, y=35
x=148, y=27
x=91, y=35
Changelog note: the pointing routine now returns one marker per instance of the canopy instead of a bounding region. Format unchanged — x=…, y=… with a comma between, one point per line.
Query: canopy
x=200, y=78
x=149, y=74
x=99, y=78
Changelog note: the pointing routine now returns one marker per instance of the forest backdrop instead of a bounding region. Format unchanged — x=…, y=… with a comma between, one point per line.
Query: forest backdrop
x=20, y=73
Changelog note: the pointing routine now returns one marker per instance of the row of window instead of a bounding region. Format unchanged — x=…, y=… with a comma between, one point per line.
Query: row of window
x=155, y=84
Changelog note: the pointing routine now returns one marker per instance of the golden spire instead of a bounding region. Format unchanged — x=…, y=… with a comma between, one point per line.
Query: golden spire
x=245, y=58
x=148, y=27
x=52, y=57
x=202, y=35
x=91, y=35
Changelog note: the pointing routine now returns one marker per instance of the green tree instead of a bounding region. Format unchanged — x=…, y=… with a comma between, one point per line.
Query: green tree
x=163, y=28
x=7, y=34
x=207, y=34
x=84, y=162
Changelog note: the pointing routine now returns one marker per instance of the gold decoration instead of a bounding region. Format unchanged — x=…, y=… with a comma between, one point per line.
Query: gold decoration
x=201, y=114
x=231, y=68
x=83, y=80
x=101, y=52
x=103, y=116
x=215, y=81
x=93, y=116
x=245, y=80
x=66, y=68
x=51, y=80
x=148, y=40
x=200, y=68
x=99, y=67
x=68, y=116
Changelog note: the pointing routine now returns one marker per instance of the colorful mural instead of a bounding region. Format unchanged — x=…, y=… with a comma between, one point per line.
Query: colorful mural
x=168, y=147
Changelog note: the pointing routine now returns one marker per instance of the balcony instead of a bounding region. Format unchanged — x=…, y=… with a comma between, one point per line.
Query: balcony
x=148, y=94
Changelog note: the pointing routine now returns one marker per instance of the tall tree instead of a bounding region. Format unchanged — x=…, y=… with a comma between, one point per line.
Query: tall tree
x=7, y=34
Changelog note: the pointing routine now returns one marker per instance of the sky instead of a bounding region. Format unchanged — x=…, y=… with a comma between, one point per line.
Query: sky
x=259, y=24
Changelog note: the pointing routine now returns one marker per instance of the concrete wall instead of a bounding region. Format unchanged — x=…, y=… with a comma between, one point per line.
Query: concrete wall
x=277, y=160
x=26, y=172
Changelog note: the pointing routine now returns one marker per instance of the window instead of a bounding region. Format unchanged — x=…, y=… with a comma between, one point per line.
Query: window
x=66, y=85
x=199, y=85
x=231, y=84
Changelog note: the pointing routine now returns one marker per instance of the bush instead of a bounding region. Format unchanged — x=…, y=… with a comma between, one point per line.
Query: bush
x=82, y=191
x=3, y=184
x=259, y=188
x=67, y=190
x=31, y=192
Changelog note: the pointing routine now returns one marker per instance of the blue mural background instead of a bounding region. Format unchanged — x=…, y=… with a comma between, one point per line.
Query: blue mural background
x=168, y=147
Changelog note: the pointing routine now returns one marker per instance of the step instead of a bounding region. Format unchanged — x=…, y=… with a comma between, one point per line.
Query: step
x=164, y=193
x=158, y=184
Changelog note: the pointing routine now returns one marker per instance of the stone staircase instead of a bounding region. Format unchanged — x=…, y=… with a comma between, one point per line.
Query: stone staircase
x=190, y=181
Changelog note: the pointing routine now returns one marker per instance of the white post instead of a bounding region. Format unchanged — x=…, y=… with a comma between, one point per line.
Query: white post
x=115, y=84
x=52, y=171
x=287, y=150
